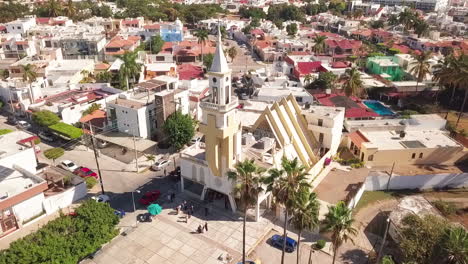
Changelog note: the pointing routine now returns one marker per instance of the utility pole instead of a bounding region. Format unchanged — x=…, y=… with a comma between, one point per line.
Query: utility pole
x=383, y=242
x=96, y=156
x=136, y=153
x=391, y=174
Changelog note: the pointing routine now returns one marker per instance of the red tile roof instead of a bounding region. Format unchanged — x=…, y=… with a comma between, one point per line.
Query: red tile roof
x=339, y=65
x=299, y=53
x=153, y=26
x=120, y=42
x=43, y=20
x=101, y=66
x=353, y=105
x=189, y=72
x=308, y=67
x=358, y=138
x=257, y=31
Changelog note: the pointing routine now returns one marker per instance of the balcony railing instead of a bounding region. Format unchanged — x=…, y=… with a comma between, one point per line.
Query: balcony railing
x=221, y=108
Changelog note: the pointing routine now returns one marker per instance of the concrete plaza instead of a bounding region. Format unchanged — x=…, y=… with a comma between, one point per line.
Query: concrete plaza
x=170, y=240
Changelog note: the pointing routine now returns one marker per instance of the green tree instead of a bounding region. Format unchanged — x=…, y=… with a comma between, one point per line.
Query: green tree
x=255, y=23
x=393, y=20
x=285, y=12
x=339, y=221
x=421, y=27
x=305, y=214
x=208, y=60
x=10, y=11
x=70, y=9
x=387, y=260
x=29, y=76
x=93, y=107
x=319, y=44
x=104, y=77
x=325, y=80
x=246, y=30
x=202, y=35
x=54, y=8
x=54, y=153
x=291, y=29
x=129, y=68
x=420, y=67
x=180, y=129
x=232, y=53
x=252, y=12
x=284, y=184
x=155, y=44
x=101, y=11
x=420, y=237
x=353, y=84
x=246, y=177
x=90, y=182
x=45, y=118
x=407, y=18
x=377, y=24
x=455, y=245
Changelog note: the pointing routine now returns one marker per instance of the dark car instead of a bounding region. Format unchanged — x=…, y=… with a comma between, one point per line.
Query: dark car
x=150, y=197
x=12, y=120
x=146, y=217
x=277, y=241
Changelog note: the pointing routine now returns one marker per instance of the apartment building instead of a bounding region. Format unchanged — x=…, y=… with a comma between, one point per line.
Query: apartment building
x=425, y=5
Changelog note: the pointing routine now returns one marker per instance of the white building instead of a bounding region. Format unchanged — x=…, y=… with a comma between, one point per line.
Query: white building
x=21, y=25
x=426, y=5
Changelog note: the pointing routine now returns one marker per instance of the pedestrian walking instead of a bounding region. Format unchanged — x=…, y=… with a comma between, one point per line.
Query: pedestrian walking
x=191, y=208
x=184, y=206
x=172, y=196
x=169, y=197
x=165, y=173
x=200, y=229
x=186, y=218
x=178, y=209
x=206, y=211
x=206, y=226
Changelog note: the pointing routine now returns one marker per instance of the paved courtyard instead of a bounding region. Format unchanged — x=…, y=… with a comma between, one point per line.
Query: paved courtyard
x=170, y=240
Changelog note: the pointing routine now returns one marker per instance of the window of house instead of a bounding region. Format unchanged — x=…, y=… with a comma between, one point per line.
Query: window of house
x=299, y=99
x=320, y=122
x=370, y=158
x=20, y=47
x=420, y=155
x=7, y=47
x=413, y=156
x=159, y=58
x=321, y=137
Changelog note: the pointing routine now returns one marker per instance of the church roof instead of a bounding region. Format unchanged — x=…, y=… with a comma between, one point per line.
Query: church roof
x=219, y=60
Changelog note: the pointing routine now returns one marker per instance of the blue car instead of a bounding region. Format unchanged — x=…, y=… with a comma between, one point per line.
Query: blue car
x=277, y=241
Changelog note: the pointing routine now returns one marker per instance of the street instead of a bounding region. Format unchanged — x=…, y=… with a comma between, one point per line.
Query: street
x=244, y=61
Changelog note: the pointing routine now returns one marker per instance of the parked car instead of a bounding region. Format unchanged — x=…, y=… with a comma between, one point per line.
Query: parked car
x=160, y=164
x=47, y=136
x=102, y=198
x=84, y=172
x=23, y=125
x=68, y=165
x=12, y=120
x=146, y=217
x=277, y=241
x=149, y=197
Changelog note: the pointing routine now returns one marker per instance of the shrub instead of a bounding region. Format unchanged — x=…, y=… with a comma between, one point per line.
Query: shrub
x=320, y=244
x=90, y=182
x=67, y=239
x=54, y=153
x=446, y=208
x=66, y=130
x=357, y=165
x=45, y=118
x=5, y=131
x=37, y=141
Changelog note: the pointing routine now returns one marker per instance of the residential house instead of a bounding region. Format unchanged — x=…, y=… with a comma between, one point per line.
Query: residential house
x=385, y=66
x=120, y=44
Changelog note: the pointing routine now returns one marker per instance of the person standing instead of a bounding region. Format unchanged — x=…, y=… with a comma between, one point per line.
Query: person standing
x=206, y=210
x=206, y=226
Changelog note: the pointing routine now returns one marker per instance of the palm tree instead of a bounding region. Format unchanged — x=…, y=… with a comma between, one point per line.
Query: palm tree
x=460, y=79
x=406, y=18
x=248, y=185
x=353, y=83
x=443, y=72
x=305, y=214
x=129, y=68
x=29, y=76
x=393, y=20
x=421, y=27
x=104, y=76
x=420, y=67
x=455, y=245
x=70, y=8
x=232, y=53
x=319, y=46
x=339, y=221
x=202, y=35
x=54, y=8
x=284, y=184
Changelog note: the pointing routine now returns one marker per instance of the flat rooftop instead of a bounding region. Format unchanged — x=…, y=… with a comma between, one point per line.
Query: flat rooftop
x=389, y=140
x=13, y=182
x=325, y=111
x=9, y=145
x=128, y=103
x=384, y=62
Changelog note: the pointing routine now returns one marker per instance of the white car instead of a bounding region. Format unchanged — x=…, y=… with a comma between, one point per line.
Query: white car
x=160, y=164
x=68, y=165
x=23, y=124
x=102, y=198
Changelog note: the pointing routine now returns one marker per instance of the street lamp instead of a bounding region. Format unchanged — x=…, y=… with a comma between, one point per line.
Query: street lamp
x=135, y=149
x=134, y=207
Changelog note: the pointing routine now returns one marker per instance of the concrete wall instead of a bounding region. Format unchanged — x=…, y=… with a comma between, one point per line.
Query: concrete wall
x=354, y=201
x=29, y=208
x=55, y=202
x=451, y=180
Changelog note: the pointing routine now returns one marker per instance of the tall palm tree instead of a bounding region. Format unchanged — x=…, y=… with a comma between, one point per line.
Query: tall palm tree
x=339, y=221
x=70, y=9
x=29, y=76
x=353, y=84
x=406, y=18
x=202, y=35
x=420, y=67
x=319, y=46
x=284, y=184
x=421, y=27
x=455, y=245
x=443, y=72
x=393, y=20
x=129, y=68
x=305, y=214
x=460, y=79
x=54, y=7
x=247, y=186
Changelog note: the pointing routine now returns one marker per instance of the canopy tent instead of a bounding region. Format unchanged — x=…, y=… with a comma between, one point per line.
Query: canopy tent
x=154, y=209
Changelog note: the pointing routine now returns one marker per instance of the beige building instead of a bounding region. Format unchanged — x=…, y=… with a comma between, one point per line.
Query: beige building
x=422, y=147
